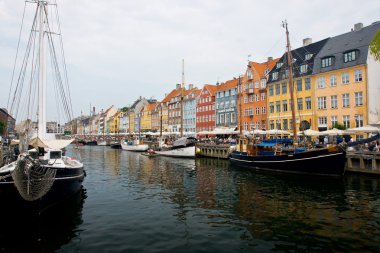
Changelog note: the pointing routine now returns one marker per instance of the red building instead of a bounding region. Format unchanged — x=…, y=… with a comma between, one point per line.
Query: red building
x=206, y=109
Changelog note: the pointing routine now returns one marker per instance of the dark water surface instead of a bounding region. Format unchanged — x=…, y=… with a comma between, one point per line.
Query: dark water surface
x=133, y=203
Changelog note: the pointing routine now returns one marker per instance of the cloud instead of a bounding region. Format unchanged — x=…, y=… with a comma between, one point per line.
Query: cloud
x=118, y=50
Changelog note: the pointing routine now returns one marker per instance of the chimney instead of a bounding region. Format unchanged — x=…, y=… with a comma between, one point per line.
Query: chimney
x=178, y=86
x=358, y=26
x=191, y=86
x=270, y=58
x=306, y=41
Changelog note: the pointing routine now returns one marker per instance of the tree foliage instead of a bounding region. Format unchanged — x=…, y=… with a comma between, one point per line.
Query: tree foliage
x=339, y=126
x=124, y=109
x=374, y=46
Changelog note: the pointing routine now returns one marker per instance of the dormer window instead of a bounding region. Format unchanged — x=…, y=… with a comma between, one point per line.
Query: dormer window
x=327, y=62
x=350, y=56
x=278, y=65
x=267, y=71
x=274, y=75
x=303, y=68
x=308, y=56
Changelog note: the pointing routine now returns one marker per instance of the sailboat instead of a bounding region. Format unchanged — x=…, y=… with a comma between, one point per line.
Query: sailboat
x=42, y=175
x=266, y=155
x=185, y=146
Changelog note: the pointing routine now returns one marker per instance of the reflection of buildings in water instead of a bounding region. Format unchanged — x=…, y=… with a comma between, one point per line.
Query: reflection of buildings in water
x=112, y=160
x=28, y=231
x=309, y=210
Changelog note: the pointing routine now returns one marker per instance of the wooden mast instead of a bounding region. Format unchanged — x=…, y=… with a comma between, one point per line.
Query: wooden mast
x=182, y=87
x=291, y=85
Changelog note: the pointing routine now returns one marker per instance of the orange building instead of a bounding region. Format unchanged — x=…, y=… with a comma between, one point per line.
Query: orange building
x=253, y=94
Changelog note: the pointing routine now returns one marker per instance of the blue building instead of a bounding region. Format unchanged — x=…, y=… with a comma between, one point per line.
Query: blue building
x=226, y=104
x=189, y=110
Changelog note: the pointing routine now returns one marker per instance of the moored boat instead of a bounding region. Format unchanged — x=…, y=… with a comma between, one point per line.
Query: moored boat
x=41, y=176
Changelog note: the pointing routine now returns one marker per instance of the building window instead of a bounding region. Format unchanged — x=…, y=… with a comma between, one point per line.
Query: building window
x=308, y=56
x=326, y=62
x=246, y=99
x=257, y=84
x=346, y=100
x=271, y=107
x=299, y=85
x=300, y=104
x=308, y=103
x=246, y=126
x=257, y=110
x=359, y=98
x=334, y=101
x=278, y=106
x=321, y=81
x=322, y=121
x=346, y=121
x=358, y=75
x=285, y=124
x=271, y=90
x=359, y=119
x=307, y=84
x=263, y=110
x=303, y=68
x=284, y=105
x=333, y=81
x=249, y=74
x=278, y=89
x=274, y=75
x=349, y=56
x=262, y=96
x=334, y=121
x=233, y=117
x=284, y=88
x=321, y=102
x=263, y=83
x=271, y=124
x=345, y=78
x=278, y=65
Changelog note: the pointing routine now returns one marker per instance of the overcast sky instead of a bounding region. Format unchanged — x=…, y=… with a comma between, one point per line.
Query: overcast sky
x=118, y=50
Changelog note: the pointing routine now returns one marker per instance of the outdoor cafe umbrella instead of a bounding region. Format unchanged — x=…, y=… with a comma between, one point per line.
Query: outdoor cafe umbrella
x=333, y=131
x=309, y=132
x=364, y=129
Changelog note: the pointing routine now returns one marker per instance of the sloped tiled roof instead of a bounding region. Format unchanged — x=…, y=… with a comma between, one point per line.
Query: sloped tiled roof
x=211, y=88
x=227, y=85
x=298, y=60
x=260, y=68
x=150, y=107
x=338, y=45
x=171, y=95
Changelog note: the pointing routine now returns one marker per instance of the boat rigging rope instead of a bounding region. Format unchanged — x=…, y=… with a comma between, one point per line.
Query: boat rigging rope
x=31, y=179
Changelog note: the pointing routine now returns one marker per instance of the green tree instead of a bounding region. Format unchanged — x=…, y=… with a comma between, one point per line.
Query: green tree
x=339, y=126
x=124, y=109
x=374, y=46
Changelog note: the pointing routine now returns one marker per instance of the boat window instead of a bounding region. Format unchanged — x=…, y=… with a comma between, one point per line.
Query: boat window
x=55, y=154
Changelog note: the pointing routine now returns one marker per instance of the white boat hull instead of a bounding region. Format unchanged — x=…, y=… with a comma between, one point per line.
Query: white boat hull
x=136, y=148
x=187, y=152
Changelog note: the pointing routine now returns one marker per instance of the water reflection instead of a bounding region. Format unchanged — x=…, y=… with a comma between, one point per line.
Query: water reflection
x=147, y=204
x=48, y=231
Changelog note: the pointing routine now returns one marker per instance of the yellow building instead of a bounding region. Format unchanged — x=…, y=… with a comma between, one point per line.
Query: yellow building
x=279, y=103
x=115, y=122
x=344, y=94
x=131, y=121
x=146, y=117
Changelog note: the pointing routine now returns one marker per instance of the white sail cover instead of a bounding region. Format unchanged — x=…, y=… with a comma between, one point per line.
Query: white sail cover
x=53, y=144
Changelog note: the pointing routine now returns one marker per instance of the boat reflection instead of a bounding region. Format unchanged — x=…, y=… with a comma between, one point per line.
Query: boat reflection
x=27, y=231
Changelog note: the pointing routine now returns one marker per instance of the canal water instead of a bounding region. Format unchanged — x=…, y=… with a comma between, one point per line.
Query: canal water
x=133, y=203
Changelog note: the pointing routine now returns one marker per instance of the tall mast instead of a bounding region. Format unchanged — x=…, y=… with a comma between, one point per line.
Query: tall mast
x=291, y=86
x=240, y=90
x=182, y=87
x=41, y=75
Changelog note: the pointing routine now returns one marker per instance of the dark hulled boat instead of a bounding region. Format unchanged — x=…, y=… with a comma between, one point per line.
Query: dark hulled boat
x=321, y=161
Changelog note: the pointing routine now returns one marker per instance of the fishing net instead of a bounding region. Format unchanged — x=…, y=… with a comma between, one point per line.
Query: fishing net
x=31, y=179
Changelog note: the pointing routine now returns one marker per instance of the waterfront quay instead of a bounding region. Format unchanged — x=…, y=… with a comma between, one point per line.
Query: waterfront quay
x=134, y=203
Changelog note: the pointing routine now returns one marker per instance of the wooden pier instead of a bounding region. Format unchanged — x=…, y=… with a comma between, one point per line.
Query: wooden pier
x=220, y=151
x=363, y=162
